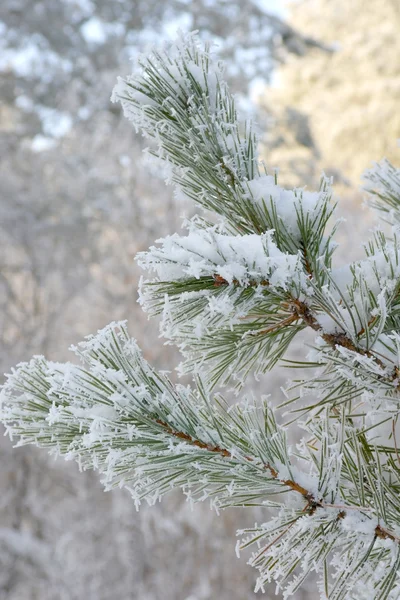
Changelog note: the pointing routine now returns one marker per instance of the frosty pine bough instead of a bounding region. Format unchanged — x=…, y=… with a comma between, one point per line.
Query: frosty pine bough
x=233, y=294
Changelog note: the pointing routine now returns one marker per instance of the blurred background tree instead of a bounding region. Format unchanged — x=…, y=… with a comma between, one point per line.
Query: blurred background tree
x=76, y=206
x=337, y=109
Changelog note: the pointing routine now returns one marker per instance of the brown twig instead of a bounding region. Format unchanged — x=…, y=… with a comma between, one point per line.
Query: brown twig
x=394, y=422
x=220, y=281
x=303, y=312
x=223, y=452
x=384, y=534
x=370, y=322
x=276, y=326
x=333, y=339
x=307, y=264
x=312, y=503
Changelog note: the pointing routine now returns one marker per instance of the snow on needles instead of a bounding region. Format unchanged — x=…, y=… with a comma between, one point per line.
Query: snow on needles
x=180, y=74
x=205, y=253
x=289, y=205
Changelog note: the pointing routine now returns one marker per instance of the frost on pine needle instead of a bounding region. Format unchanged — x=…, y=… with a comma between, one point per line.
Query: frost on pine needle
x=233, y=293
x=114, y=413
x=217, y=294
x=382, y=182
x=246, y=259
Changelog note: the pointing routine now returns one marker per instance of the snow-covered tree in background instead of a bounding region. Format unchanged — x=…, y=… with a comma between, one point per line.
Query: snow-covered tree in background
x=233, y=293
x=335, y=126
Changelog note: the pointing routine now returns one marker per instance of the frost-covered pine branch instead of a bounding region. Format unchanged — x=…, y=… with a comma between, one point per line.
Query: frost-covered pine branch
x=233, y=292
x=383, y=184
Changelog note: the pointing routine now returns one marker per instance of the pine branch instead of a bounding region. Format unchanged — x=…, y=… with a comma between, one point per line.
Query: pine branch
x=382, y=183
x=203, y=326
x=233, y=296
x=116, y=414
x=251, y=202
x=179, y=99
x=217, y=292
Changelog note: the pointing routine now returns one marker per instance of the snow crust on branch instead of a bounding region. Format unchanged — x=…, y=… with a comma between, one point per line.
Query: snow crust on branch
x=242, y=259
x=288, y=205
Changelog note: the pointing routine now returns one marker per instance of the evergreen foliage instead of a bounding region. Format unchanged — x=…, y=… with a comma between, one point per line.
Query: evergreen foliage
x=233, y=293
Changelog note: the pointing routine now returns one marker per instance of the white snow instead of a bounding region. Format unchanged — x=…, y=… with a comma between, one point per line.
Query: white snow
x=360, y=291
x=177, y=75
x=32, y=58
x=96, y=32
x=42, y=143
x=24, y=544
x=24, y=103
x=204, y=252
x=288, y=204
x=55, y=123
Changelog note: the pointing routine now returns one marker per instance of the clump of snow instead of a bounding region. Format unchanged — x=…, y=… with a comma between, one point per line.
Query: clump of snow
x=356, y=522
x=123, y=89
x=204, y=252
x=289, y=205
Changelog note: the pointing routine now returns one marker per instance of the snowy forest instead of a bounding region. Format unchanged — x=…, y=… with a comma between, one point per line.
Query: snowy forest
x=80, y=199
